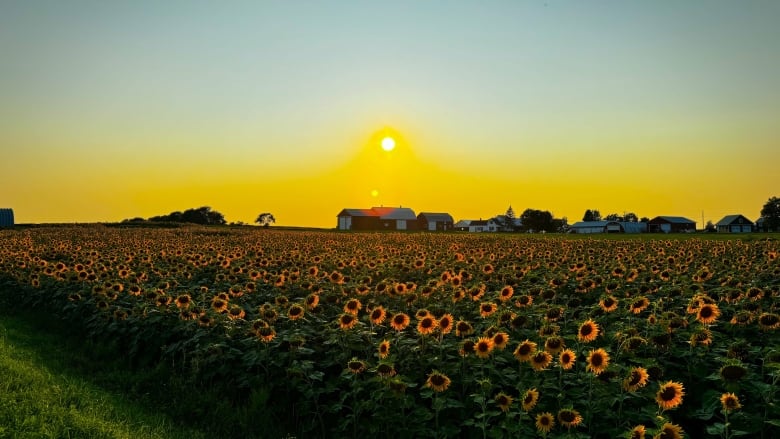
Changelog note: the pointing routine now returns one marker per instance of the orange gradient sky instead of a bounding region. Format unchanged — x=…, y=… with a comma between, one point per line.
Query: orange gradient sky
x=114, y=110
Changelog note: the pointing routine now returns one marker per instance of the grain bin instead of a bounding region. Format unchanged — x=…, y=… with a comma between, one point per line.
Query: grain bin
x=6, y=217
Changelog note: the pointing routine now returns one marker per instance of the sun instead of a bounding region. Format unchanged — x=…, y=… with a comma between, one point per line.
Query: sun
x=388, y=144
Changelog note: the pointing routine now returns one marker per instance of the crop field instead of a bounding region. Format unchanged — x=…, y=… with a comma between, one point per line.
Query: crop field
x=325, y=334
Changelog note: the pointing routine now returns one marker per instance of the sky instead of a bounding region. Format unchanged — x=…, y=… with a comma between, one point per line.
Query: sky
x=115, y=110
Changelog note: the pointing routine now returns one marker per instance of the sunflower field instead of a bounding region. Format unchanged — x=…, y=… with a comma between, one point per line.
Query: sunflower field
x=327, y=334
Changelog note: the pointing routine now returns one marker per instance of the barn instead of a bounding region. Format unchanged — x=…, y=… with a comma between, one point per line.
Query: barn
x=608, y=227
x=435, y=221
x=671, y=224
x=6, y=217
x=734, y=224
x=377, y=218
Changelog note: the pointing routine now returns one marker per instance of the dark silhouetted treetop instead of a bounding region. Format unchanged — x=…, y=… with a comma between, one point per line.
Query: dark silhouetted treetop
x=265, y=219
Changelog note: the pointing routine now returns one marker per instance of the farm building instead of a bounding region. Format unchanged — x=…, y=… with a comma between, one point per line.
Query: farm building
x=462, y=225
x=6, y=217
x=377, y=218
x=476, y=226
x=671, y=224
x=608, y=227
x=434, y=221
x=734, y=224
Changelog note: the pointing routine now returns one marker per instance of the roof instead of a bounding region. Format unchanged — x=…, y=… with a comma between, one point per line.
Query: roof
x=436, y=217
x=478, y=223
x=463, y=223
x=357, y=212
x=395, y=213
x=731, y=219
x=591, y=224
x=675, y=219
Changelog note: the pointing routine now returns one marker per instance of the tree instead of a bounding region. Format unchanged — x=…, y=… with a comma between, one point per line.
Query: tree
x=265, y=219
x=613, y=217
x=508, y=220
x=710, y=227
x=202, y=215
x=537, y=220
x=771, y=214
x=592, y=215
x=631, y=217
x=644, y=219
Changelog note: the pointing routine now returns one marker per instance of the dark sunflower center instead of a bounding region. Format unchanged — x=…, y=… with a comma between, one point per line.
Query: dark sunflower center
x=437, y=380
x=426, y=323
x=567, y=416
x=706, y=312
x=597, y=360
x=524, y=349
x=635, y=378
x=586, y=330
x=668, y=394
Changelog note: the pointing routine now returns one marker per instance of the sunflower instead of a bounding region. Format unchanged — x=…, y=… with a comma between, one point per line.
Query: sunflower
x=445, y=323
x=608, y=304
x=378, y=315
x=347, y=321
x=567, y=359
x=483, y=347
x=236, y=312
x=733, y=371
x=730, y=402
x=637, y=432
x=669, y=395
x=541, y=360
x=669, y=431
x=636, y=379
x=569, y=418
x=639, y=304
x=554, y=345
x=295, y=312
x=525, y=351
x=384, y=349
x=265, y=334
x=312, y=300
x=523, y=301
x=427, y=325
x=588, y=331
x=504, y=401
x=769, y=321
x=353, y=306
x=506, y=293
x=703, y=336
x=487, y=308
x=385, y=370
x=598, y=360
x=437, y=381
x=463, y=328
x=530, y=398
x=466, y=348
x=708, y=313
x=356, y=366
x=500, y=339
x=545, y=422
x=219, y=305
x=399, y=321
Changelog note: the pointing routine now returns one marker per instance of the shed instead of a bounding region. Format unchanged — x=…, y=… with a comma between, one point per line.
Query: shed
x=377, y=218
x=6, y=217
x=734, y=224
x=462, y=225
x=435, y=221
x=608, y=227
x=671, y=224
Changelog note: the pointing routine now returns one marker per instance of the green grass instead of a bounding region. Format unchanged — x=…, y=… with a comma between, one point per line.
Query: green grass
x=44, y=393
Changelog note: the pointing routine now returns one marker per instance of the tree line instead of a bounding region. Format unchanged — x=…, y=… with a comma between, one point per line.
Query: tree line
x=204, y=215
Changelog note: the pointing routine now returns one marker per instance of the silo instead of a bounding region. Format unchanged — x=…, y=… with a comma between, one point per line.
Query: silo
x=6, y=217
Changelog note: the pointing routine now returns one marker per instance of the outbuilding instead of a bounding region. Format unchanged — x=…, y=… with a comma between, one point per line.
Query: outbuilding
x=377, y=218
x=6, y=217
x=671, y=224
x=435, y=221
x=734, y=224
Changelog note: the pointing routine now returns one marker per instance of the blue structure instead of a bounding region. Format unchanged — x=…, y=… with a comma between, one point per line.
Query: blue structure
x=6, y=217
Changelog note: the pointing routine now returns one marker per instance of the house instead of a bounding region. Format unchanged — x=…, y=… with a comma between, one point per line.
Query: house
x=507, y=224
x=608, y=227
x=6, y=217
x=435, y=221
x=490, y=225
x=671, y=224
x=377, y=218
x=462, y=225
x=734, y=224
